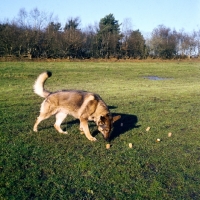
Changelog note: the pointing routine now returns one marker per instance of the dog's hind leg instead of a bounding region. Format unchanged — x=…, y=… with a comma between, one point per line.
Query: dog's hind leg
x=45, y=112
x=59, y=119
x=85, y=128
x=41, y=117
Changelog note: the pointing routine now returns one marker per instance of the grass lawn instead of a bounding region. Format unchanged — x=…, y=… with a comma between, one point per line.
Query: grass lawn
x=49, y=165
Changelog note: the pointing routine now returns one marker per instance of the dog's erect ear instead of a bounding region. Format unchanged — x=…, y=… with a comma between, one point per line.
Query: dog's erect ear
x=115, y=118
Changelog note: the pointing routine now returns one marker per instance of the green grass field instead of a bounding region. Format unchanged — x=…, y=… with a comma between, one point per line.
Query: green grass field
x=49, y=165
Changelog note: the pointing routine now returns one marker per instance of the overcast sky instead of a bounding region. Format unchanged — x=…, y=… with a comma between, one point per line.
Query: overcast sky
x=144, y=15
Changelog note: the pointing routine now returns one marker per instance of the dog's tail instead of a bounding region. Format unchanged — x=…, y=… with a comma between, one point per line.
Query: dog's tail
x=39, y=84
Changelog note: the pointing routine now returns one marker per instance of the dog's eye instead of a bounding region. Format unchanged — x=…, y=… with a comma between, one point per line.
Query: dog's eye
x=106, y=130
x=101, y=123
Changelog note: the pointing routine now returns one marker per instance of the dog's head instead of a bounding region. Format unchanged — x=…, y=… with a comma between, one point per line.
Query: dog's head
x=105, y=124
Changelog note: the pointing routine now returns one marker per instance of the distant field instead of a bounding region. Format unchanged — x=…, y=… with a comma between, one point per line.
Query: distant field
x=49, y=165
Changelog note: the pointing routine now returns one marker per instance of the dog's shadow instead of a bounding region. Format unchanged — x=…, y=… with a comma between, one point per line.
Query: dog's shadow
x=125, y=123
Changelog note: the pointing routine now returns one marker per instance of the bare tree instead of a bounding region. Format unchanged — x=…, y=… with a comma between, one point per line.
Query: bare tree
x=73, y=41
x=196, y=35
x=91, y=42
x=164, y=42
x=126, y=32
x=38, y=19
x=187, y=44
x=22, y=19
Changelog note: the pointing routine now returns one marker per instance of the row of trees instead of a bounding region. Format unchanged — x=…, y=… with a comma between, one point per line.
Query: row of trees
x=37, y=35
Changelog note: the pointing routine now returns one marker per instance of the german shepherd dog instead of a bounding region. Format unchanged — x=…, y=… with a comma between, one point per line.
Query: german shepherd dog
x=85, y=106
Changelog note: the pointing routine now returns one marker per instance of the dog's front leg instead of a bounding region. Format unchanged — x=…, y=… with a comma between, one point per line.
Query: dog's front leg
x=59, y=119
x=85, y=128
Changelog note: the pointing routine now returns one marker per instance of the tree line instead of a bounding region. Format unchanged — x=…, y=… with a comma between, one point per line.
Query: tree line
x=37, y=35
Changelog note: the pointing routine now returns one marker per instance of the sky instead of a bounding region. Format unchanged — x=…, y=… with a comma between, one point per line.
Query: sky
x=144, y=15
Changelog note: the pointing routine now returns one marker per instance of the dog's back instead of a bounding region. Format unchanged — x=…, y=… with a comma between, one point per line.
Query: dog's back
x=76, y=102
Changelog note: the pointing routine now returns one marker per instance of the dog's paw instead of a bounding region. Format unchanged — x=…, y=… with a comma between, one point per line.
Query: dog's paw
x=93, y=139
x=64, y=132
x=35, y=130
x=82, y=132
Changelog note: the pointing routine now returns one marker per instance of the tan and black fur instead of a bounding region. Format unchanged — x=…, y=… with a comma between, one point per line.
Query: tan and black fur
x=82, y=105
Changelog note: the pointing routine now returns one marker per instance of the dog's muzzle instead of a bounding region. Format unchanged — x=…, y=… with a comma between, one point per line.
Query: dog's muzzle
x=105, y=131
